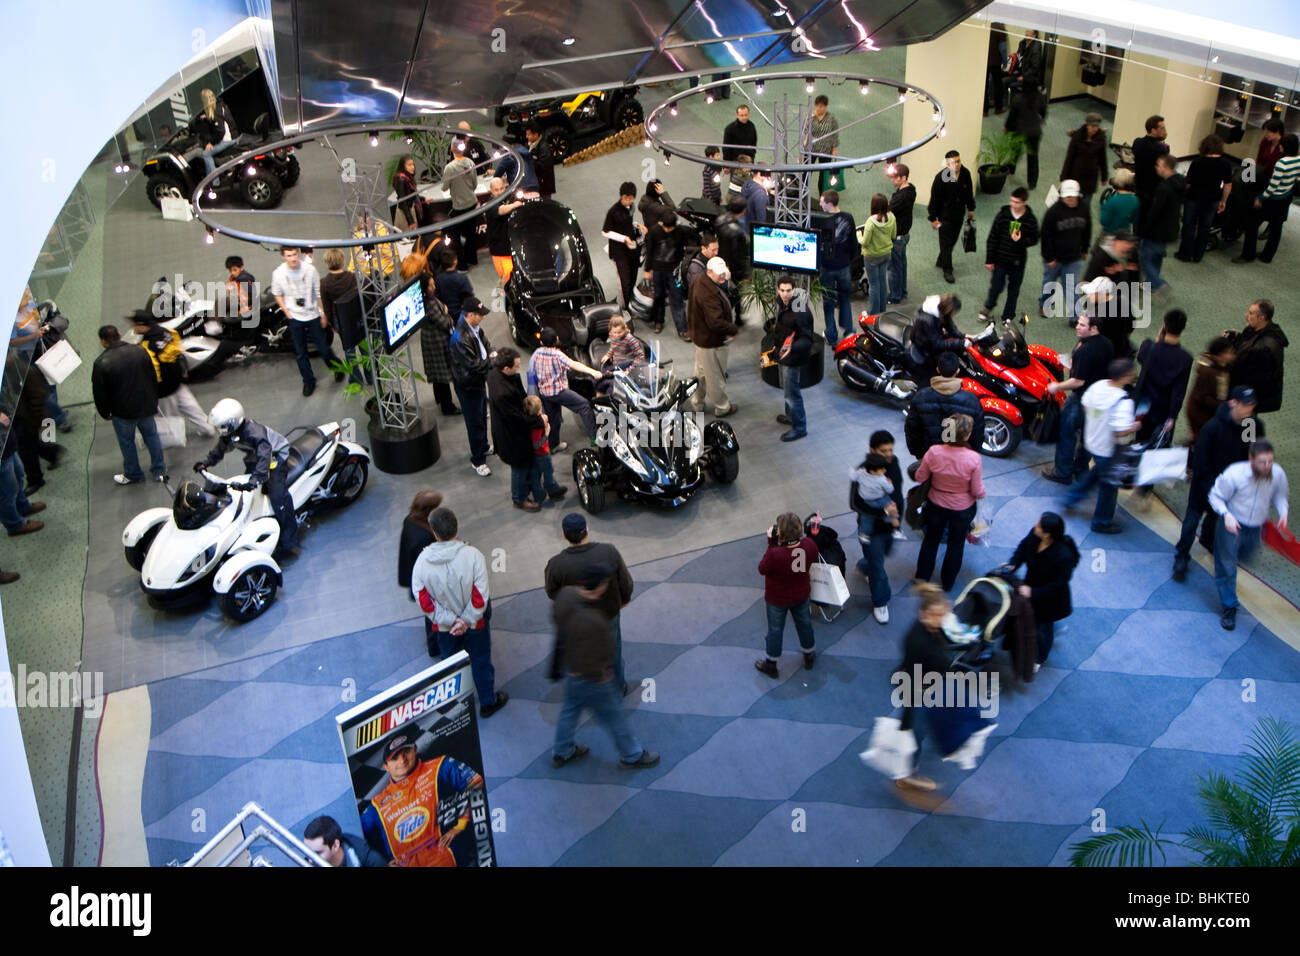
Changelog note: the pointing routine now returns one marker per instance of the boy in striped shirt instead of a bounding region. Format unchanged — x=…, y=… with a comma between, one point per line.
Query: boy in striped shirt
x=1271, y=206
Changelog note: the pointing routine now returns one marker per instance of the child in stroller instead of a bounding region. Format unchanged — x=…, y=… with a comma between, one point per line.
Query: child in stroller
x=989, y=611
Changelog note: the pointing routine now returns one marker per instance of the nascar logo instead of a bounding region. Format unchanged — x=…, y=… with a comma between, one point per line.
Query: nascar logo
x=429, y=699
x=411, y=825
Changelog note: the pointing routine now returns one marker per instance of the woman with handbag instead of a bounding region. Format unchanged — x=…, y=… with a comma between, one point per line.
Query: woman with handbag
x=1050, y=557
x=787, y=587
x=412, y=210
x=956, y=483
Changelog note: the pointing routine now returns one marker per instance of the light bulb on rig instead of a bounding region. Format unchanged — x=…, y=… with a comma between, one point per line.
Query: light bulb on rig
x=672, y=110
x=374, y=139
x=210, y=238
x=864, y=87
x=708, y=97
x=808, y=85
x=758, y=88
x=668, y=158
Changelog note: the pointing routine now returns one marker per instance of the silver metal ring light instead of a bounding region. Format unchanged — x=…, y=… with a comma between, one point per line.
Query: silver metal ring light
x=498, y=146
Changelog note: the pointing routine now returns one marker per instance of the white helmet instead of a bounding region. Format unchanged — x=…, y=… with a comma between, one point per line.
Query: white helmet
x=226, y=416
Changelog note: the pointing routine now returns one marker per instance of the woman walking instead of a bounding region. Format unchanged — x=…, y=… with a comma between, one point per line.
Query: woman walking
x=1049, y=556
x=877, y=243
x=1085, y=157
x=956, y=483
x=787, y=587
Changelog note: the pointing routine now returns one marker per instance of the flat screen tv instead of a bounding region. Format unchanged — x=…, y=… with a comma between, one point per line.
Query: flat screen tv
x=783, y=248
x=403, y=313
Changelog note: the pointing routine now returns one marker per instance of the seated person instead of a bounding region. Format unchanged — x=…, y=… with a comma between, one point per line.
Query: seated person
x=625, y=351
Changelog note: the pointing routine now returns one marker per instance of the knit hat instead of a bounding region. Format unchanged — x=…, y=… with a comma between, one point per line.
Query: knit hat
x=1092, y=119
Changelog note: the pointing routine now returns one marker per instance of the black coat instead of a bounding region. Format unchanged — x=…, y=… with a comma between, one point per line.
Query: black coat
x=512, y=426
x=951, y=199
x=1085, y=160
x=1026, y=113
x=800, y=325
x=415, y=538
x=733, y=245
x=923, y=426
x=1162, y=212
x=664, y=250
x=123, y=383
x=565, y=568
x=739, y=138
x=1259, y=364
x=209, y=131
x=1219, y=444
x=932, y=335
x=652, y=208
x=469, y=369
x=1048, y=575
x=1066, y=233
x=1000, y=248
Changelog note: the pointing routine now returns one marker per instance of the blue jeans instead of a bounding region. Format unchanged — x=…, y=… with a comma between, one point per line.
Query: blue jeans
x=300, y=332
x=541, y=478
x=554, y=406
x=55, y=410
x=14, y=506
x=520, y=481
x=473, y=406
x=1070, y=456
x=898, y=269
x=1151, y=255
x=1067, y=275
x=874, y=551
x=877, y=282
x=477, y=643
x=1011, y=277
x=802, y=614
x=1197, y=219
x=125, y=429
x=604, y=701
x=1107, y=494
x=837, y=292
x=210, y=155
x=794, y=399
x=1228, y=550
x=665, y=286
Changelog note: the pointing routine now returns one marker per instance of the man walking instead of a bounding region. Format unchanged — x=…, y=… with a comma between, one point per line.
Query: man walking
x=951, y=194
x=174, y=397
x=901, y=204
x=1015, y=229
x=565, y=568
x=1159, y=224
x=1089, y=361
x=1241, y=497
x=1028, y=110
x=1108, y=417
x=584, y=655
x=450, y=582
x=836, y=268
x=296, y=287
x=1224, y=440
x=471, y=360
x=713, y=326
x=126, y=394
x=794, y=326
x=1066, y=236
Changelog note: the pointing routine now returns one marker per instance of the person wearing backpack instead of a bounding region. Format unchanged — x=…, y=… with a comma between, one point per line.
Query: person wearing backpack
x=175, y=400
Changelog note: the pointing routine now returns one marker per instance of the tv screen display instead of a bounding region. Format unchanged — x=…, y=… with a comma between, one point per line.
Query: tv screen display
x=403, y=313
x=783, y=248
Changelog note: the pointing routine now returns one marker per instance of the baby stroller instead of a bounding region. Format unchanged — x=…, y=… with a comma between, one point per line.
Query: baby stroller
x=979, y=619
x=831, y=551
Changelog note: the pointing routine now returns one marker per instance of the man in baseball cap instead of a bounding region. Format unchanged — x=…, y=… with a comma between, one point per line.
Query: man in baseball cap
x=471, y=359
x=1064, y=238
x=711, y=324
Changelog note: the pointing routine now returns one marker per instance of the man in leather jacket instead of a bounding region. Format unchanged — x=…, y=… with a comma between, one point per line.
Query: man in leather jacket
x=471, y=360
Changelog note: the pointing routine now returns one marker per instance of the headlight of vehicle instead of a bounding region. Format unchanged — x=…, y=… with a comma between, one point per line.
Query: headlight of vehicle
x=694, y=440
x=624, y=454
x=199, y=563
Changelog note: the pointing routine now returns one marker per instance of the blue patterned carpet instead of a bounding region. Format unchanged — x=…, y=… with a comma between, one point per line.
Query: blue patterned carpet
x=1143, y=692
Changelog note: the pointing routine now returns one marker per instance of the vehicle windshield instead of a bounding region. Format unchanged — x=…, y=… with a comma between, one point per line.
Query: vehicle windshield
x=545, y=244
x=647, y=384
x=1009, y=348
x=194, y=506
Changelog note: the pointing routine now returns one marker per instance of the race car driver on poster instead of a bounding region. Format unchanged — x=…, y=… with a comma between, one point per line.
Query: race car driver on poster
x=412, y=754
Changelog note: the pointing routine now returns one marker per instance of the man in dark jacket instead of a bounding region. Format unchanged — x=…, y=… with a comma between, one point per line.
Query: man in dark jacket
x=1028, y=110
x=740, y=136
x=951, y=194
x=901, y=204
x=1089, y=360
x=564, y=568
x=733, y=240
x=713, y=326
x=794, y=323
x=1116, y=259
x=1146, y=150
x=943, y=397
x=584, y=654
x=840, y=244
x=1015, y=229
x=1259, y=362
x=876, y=529
x=622, y=232
x=1031, y=61
x=1159, y=224
x=512, y=426
x=326, y=839
x=471, y=359
x=934, y=332
x=664, y=248
x=1225, y=439
x=1066, y=234
x=126, y=394
x=543, y=161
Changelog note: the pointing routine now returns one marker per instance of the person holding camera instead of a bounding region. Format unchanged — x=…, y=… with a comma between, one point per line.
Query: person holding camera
x=296, y=287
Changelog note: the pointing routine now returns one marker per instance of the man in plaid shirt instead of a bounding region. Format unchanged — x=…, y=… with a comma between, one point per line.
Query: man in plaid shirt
x=551, y=367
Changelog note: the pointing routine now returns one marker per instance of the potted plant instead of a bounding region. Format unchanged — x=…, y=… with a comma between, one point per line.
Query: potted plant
x=1251, y=822
x=997, y=157
x=396, y=450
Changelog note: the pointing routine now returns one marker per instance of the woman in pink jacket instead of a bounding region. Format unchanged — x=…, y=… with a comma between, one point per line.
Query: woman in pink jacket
x=956, y=483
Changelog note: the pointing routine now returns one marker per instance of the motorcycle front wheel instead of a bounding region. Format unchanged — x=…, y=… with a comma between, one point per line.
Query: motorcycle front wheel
x=250, y=594
x=1001, y=438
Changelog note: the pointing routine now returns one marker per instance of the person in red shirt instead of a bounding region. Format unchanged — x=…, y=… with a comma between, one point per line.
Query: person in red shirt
x=956, y=482
x=787, y=587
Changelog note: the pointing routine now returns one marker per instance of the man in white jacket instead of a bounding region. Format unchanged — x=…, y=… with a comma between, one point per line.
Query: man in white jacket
x=450, y=582
x=1241, y=496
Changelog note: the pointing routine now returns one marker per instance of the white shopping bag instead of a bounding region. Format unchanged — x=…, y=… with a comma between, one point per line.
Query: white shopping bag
x=1161, y=465
x=891, y=750
x=828, y=585
x=1053, y=195
x=171, y=430
x=176, y=207
x=58, y=362
x=968, y=754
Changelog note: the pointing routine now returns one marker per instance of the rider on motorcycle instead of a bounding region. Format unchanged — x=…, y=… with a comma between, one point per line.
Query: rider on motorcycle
x=933, y=332
x=266, y=454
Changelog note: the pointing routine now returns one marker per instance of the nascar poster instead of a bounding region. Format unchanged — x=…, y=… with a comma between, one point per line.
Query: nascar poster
x=417, y=770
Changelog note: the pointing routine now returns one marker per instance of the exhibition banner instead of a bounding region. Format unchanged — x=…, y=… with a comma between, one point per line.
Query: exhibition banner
x=417, y=770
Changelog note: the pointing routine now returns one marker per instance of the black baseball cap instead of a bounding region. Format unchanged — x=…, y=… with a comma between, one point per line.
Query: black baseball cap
x=473, y=305
x=1244, y=395
x=574, y=523
x=400, y=742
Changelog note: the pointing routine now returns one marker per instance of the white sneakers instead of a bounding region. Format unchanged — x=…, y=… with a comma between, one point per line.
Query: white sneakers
x=881, y=614
x=562, y=446
x=483, y=470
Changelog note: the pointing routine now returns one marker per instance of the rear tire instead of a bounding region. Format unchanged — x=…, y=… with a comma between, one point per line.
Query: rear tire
x=160, y=183
x=250, y=594
x=628, y=114
x=559, y=143
x=136, y=553
x=1001, y=438
x=725, y=466
x=350, y=482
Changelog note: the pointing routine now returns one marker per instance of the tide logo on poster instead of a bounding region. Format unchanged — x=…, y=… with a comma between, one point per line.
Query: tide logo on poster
x=411, y=824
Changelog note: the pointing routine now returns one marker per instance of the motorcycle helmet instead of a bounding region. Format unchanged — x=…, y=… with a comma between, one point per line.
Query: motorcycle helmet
x=227, y=416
